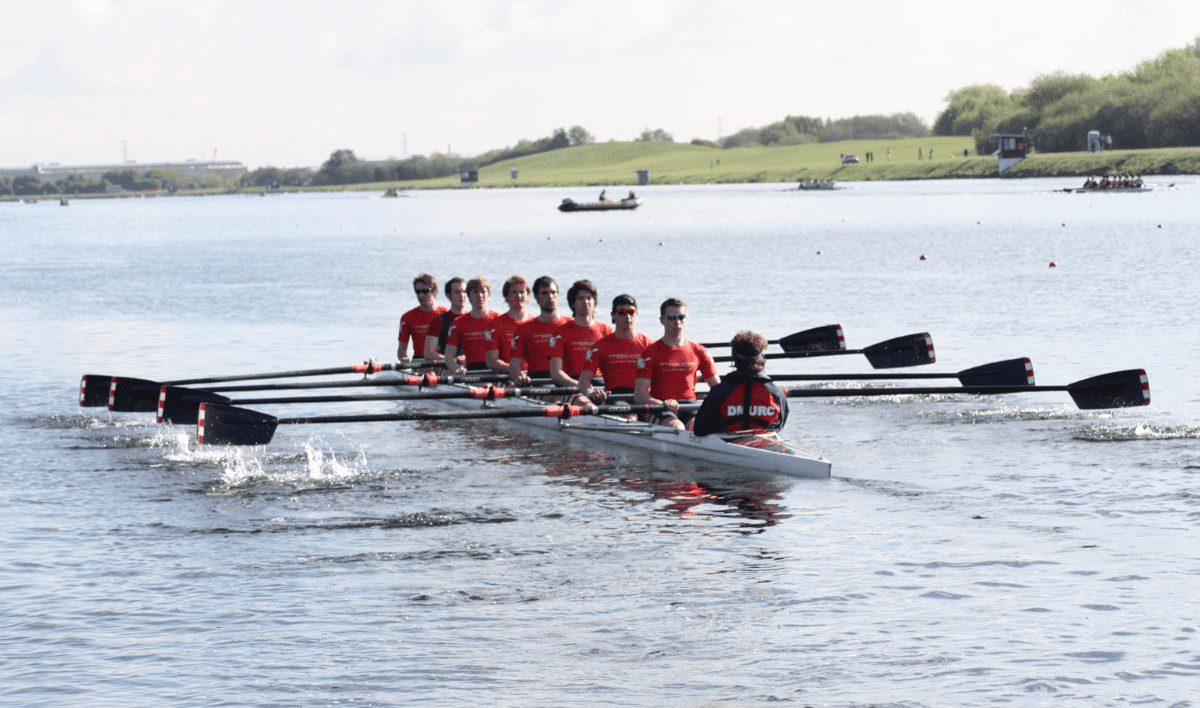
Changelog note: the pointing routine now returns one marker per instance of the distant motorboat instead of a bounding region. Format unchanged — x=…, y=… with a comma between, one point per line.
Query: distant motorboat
x=627, y=203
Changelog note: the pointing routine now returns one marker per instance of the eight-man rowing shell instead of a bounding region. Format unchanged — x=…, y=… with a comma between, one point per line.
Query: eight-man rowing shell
x=763, y=453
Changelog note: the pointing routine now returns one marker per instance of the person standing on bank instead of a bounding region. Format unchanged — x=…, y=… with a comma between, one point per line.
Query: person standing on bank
x=667, y=369
x=746, y=400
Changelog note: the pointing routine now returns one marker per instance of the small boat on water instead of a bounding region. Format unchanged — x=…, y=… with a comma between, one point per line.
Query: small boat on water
x=626, y=203
x=818, y=184
x=761, y=453
x=393, y=192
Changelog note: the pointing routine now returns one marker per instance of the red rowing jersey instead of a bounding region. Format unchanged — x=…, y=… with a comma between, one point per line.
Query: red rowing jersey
x=616, y=359
x=570, y=342
x=414, y=325
x=471, y=334
x=531, y=342
x=501, y=342
x=672, y=370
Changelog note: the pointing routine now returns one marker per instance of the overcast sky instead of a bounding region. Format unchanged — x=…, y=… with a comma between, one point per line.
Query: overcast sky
x=287, y=83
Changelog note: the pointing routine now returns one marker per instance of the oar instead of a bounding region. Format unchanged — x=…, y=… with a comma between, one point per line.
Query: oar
x=1120, y=389
x=181, y=406
x=1010, y=372
x=221, y=424
x=825, y=338
x=909, y=350
x=127, y=394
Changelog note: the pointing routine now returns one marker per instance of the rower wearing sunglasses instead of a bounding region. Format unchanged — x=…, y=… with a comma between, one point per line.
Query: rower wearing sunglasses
x=667, y=368
x=615, y=356
x=746, y=401
x=414, y=324
x=570, y=343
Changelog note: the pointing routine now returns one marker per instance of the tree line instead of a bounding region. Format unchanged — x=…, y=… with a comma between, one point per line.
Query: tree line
x=1157, y=104
x=800, y=130
x=130, y=178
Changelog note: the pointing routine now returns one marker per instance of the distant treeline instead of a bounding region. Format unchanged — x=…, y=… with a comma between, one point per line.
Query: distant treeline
x=131, y=178
x=1155, y=105
x=343, y=167
x=798, y=130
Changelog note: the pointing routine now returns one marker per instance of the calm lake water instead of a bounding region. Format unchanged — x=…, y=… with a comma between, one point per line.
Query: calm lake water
x=968, y=551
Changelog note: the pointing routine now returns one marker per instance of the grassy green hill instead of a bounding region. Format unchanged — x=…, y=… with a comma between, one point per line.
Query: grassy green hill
x=616, y=164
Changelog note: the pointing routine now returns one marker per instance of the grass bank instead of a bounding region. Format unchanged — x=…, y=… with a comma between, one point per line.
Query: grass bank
x=616, y=164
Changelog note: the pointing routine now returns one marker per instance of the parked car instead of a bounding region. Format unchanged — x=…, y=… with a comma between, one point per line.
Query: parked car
x=847, y=159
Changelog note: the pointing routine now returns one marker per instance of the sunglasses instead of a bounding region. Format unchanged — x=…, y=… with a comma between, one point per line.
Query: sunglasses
x=676, y=318
x=625, y=311
x=423, y=291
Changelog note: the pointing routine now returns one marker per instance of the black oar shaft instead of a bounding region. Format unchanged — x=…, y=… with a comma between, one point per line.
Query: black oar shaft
x=367, y=368
x=482, y=394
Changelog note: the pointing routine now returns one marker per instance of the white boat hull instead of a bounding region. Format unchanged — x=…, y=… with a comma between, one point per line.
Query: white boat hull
x=761, y=453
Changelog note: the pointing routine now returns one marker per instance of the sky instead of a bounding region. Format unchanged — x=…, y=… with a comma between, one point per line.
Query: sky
x=288, y=83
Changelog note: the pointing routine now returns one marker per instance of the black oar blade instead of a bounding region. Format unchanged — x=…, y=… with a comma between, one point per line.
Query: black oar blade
x=909, y=350
x=93, y=390
x=221, y=424
x=828, y=338
x=128, y=395
x=181, y=406
x=1011, y=372
x=1120, y=389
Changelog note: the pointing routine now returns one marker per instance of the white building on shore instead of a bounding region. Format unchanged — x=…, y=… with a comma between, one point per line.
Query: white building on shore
x=53, y=171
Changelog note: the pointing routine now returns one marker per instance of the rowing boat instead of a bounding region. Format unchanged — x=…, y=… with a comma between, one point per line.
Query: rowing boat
x=761, y=453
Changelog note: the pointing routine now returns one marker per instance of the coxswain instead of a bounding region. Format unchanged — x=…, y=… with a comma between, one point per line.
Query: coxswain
x=746, y=400
x=499, y=347
x=439, y=329
x=531, y=342
x=570, y=343
x=471, y=331
x=604, y=195
x=414, y=324
x=667, y=369
x=615, y=356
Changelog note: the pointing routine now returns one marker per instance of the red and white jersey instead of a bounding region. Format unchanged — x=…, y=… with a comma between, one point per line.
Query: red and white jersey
x=571, y=343
x=616, y=359
x=672, y=370
x=471, y=335
x=414, y=326
x=531, y=342
x=501, y=342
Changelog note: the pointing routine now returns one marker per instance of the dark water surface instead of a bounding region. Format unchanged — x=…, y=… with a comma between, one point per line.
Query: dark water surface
x=1003, y=550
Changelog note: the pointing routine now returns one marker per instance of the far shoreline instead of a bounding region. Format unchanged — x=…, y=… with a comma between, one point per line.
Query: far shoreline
x=672, y=164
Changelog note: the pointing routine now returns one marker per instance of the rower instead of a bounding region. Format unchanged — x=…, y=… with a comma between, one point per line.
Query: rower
x=439, y=329
x=570, y=343
x=414, y=324
x=516, y=293
x=667, y=369
x=615, y=356
x=471, y=331
x=746, y=400
x=531, y=342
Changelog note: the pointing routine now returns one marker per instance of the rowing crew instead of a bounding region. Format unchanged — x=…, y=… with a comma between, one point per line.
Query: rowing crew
x=579, y=352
